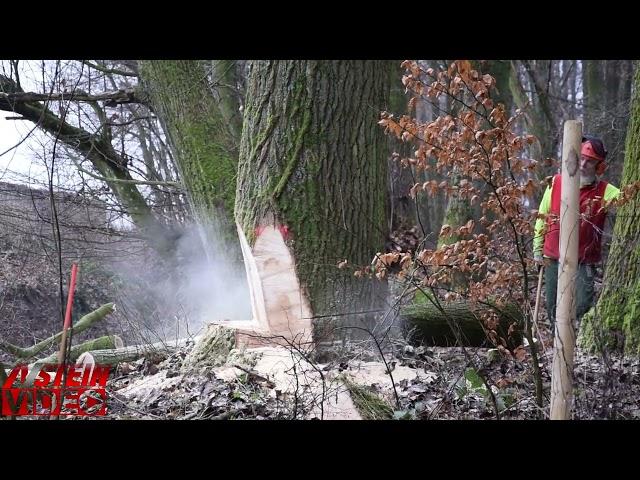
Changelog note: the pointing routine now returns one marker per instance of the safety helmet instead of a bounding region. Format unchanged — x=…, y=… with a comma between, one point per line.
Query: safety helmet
x=593, y=147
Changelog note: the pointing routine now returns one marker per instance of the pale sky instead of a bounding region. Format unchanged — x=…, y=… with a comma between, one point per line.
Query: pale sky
x=20, y=164
x=23, y=164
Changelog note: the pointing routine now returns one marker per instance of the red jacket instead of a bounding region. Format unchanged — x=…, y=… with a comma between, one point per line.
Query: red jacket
x=592, y=218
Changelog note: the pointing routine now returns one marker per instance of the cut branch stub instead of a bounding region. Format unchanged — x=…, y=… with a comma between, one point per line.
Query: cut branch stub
x=212, y=349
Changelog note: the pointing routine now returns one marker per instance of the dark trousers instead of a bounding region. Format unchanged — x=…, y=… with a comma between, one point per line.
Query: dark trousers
x=584, y=286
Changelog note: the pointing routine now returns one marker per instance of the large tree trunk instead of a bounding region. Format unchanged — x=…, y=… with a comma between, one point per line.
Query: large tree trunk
x=204, y=149
x=616, y=319
x=311, y=192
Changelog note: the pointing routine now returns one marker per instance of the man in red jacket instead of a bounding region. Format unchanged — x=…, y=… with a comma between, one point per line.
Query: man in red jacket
x=592, y=217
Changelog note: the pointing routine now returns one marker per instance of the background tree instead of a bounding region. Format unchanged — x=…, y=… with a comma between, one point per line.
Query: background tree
x=607, y=94
x=201, y=129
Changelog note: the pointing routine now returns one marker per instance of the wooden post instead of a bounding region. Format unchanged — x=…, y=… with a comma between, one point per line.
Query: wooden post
x=564, y=342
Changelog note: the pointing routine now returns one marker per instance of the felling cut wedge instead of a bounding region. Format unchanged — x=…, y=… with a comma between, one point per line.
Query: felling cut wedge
x=280, y=310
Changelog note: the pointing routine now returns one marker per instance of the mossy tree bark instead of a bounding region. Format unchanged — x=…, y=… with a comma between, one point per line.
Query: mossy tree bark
x=459, y=323
x=314, y=160
x=457, y=214
x=616, y=322
x=194, y=117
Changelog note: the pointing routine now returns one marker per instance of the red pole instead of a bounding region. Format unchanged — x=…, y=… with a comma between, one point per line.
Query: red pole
x=67, y=316
x=62, y=353
x=72, y=288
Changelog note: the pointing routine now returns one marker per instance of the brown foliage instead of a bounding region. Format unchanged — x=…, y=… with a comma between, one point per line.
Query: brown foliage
x=477, y=142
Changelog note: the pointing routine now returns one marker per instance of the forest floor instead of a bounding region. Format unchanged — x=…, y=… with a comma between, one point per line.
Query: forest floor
x=430, y=383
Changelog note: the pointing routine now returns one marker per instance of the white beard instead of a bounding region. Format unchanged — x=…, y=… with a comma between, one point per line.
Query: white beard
x=587, y=179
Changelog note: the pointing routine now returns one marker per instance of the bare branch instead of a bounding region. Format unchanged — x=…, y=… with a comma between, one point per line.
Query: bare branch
x=117, y=180
x=111, y=99
x=113, y=71
x=97, y=149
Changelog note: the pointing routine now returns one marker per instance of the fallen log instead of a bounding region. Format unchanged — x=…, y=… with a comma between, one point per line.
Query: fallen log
x=82, y=324
x=458, y=323
x=83, y=354
x=108, y=342
x=155, y=351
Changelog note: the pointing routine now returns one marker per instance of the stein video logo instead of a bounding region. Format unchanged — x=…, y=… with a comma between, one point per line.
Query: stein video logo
x=56, y=390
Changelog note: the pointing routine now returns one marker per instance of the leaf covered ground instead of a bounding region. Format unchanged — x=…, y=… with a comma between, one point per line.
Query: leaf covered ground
x=431, y=384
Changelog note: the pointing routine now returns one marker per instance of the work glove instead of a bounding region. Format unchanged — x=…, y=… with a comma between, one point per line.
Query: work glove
x=538, y=259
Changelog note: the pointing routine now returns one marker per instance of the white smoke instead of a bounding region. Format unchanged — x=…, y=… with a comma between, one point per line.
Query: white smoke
x=215, y=281
x=206, y=283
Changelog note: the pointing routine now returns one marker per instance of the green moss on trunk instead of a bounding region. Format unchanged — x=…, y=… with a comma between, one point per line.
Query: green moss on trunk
x=615, y=323
x=313, y=158
x=203, y=147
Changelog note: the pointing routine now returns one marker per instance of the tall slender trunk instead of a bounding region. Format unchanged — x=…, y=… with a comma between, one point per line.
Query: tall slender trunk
x=617, y=99
x=402, y=206
x=430, y=210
